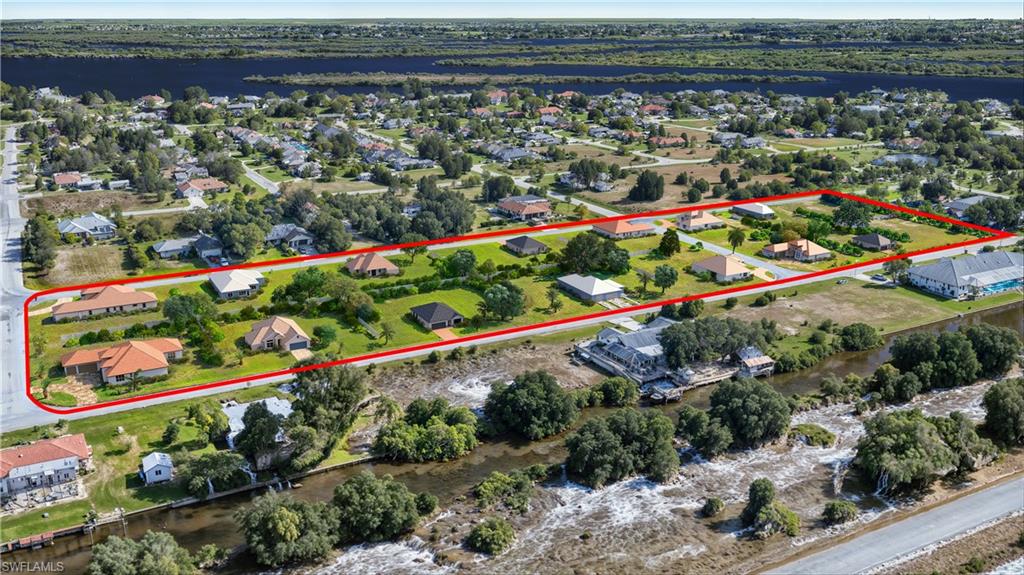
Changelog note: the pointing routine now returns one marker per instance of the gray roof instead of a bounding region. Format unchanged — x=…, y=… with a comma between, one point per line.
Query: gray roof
x=156, y=459
x=207, y=242
x=983, y=269
x=435, y=312
x=964, y=203
x=589, y=285
x=87, y=222
x=646, y=341
x=875, y=240
x=235, y=411
x=526, y=243
x=285, y=232
x=173, y=245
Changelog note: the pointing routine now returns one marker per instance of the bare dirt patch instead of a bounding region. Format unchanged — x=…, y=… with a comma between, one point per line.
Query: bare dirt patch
x=61, y=203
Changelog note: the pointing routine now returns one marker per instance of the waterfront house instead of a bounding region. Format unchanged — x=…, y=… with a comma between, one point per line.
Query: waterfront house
x=155, y=468
x=235, y=413
x=971, y=276
x=43, y=463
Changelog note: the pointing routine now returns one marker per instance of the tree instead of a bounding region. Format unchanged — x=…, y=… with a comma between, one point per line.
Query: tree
x=387, y=331
x=372, y=509
x=504, y=300
x=627, y=442
x=903, y=449
x=840, y=511
x=691, y=309
x=261, y=429
x=533, y=405
x=996, y=347
x=155, y=553
x=760, y=494
x=491, y=536
x=752, y=410
x=245, y=239
x=669, y=244
x=665, y=276
x=736, y=237
x=957, y=364
x=618, y=392
x=459, y=264
x=184, y=310
x=429, y=431
x=171, y=433
x=220, y=469
x=498, y=187
x=1004, y=411
x=280, y=529
x=554, y=296
x=328, y=398
x=852, y=214
x=40, y=241
x=859, y=337
x=650, y=186
x=896, y=269
x=644, y=276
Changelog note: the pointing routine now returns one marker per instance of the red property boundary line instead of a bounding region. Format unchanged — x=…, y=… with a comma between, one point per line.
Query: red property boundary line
x=993, y=235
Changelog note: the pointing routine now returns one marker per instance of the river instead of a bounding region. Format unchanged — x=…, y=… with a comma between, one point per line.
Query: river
x=212, y=522
x=131, y=78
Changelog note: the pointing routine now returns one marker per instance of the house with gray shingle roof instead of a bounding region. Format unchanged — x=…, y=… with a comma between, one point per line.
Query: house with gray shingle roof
x=95, y=226
x=965, y=277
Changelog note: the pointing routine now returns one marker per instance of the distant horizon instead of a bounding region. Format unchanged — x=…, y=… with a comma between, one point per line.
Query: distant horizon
x=567, y=10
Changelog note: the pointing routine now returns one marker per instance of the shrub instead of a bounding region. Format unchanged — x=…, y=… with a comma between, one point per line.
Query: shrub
x=492, y=536
x=841, y=511
x=813, y=435
x=426, y=503
x=712, y=507
x=618, y=392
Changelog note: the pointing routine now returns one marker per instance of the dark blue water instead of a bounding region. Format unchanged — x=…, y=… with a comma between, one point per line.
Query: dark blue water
x=131, y=78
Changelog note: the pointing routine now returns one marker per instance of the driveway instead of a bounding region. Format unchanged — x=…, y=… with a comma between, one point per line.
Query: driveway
x=446, y=334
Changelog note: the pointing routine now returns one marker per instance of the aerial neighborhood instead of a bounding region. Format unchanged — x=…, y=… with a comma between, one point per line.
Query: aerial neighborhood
x=746, y=296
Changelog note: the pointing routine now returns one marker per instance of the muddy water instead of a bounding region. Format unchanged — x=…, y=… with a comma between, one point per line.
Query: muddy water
x=633, y=512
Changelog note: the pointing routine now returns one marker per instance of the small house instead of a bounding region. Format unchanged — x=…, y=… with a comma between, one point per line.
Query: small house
x=436, y=315
x=235, y=284
x=726, y=269
x=156, y=468
x=698, y=220
x=371, y=265
x=873, y=242
x=756, y=211
x=525, y=246
x=276, y=332
x=590, y=288
x=621, y=229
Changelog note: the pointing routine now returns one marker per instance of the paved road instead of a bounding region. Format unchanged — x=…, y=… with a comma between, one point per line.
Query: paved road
x=876, y=548
x=261, y=180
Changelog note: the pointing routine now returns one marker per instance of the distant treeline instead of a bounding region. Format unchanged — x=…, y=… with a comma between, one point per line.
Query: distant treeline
x=394, y=79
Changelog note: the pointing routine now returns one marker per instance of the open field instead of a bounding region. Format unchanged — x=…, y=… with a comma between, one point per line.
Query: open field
x=61, y=203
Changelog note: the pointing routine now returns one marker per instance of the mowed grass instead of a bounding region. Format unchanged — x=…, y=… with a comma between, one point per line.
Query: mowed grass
x=115, y=482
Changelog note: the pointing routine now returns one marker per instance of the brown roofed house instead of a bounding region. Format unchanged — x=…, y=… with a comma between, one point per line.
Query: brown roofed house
x=199, y=186
x=800, y=250
x=371, y=265
x=42, y=463
x=276, y=332
x=67, y=179
x=103, y=301
x=621, y=229
x=525, y=207
x=725, y=268
x=124, y=361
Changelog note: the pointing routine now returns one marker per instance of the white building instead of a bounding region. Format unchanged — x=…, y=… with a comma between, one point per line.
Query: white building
x=156, y=468
x=44, y=463
x=970, y=276
x=235, y=412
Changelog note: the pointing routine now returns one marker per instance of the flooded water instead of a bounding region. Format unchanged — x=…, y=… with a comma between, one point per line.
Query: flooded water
x=630, y=511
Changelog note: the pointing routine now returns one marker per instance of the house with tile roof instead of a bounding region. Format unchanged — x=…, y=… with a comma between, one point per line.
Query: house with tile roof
x=801, y=250
x=371, y=265
x=197, y=187
x=276, y=332
x=986, y=273
x=234, y=284
x=105, y=300
x=698, y=220
x=43, y=463
x=525, y=207
x=95, y=226
x=67, y=179
x=621, y=229
x=125, y=361
x=726, y=269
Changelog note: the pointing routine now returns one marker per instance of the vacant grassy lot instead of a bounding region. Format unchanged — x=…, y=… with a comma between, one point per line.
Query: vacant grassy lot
x=74, y=203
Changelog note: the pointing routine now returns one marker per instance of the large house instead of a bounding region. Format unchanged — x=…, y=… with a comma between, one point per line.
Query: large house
x=236, y=411
x=371, y=265
x=525, y=246
x=199, y=186
x=125, y=361
x=799, y=250
x=436, y=315
x=67, y=179
x=237, y=283
x=635, y=355
x=103, y=301
x=525, y=207
x=202, y=244
x=42, y=463
x=726, y=269
x=156, y=467
x=590, y=288
x=965, y=277
x=290, y=235
x=95, y=226
x=958, y=208
x=756, y=211
x=698, y=220
x=621, y=229
x=276, y=332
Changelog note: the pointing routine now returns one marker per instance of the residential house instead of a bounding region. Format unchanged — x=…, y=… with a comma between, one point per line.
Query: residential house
x=549, y=111
x=235, y=284
x=756, y=211
x=156, y=467
x=698, y=220
x=436, y=315
x=958, y=208
x=276, y=332
x=67, y=179
x=207, y=246
x=873, y=242
x=125, y=361
x=525, y=207
x=726, y=269
x=104, y=301
x=590, y=288
x=198, y=187
x=371, y=265
x=525, y=246
x=972, y=276
x=95, y=226
x=636, y=355
x=753, y=362
x=43, y=463
x=621, y=229
x=173, y=248
x=291, y=235
x=801, y=250
x=235, y=413
x=497, y=96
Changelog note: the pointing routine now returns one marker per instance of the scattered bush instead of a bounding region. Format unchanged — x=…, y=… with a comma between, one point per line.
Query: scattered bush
x=492, y=536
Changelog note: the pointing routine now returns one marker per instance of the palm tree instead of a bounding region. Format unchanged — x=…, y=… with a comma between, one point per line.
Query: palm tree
x=736, y=238
x=387, y=331
x=645, y=276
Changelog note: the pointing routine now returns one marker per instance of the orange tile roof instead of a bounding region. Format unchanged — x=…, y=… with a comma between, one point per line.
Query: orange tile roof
x=364, y=263
x=808, y=247
x=42, y=451
x=203, y=184
x=126, y=357
x=103, y=297
x=549, y=110
x=619, y=227
x=526, y=209
x=721, y=265
x=699, y=217
x=67, y=178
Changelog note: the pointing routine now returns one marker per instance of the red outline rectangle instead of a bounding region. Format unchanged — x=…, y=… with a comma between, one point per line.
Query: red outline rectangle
x=993, y=235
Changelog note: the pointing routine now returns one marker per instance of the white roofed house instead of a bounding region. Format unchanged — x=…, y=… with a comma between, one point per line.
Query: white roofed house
x=590, y=288
x=235, y=284
x=756, y=211
x=95, y=226
x=156, y=468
